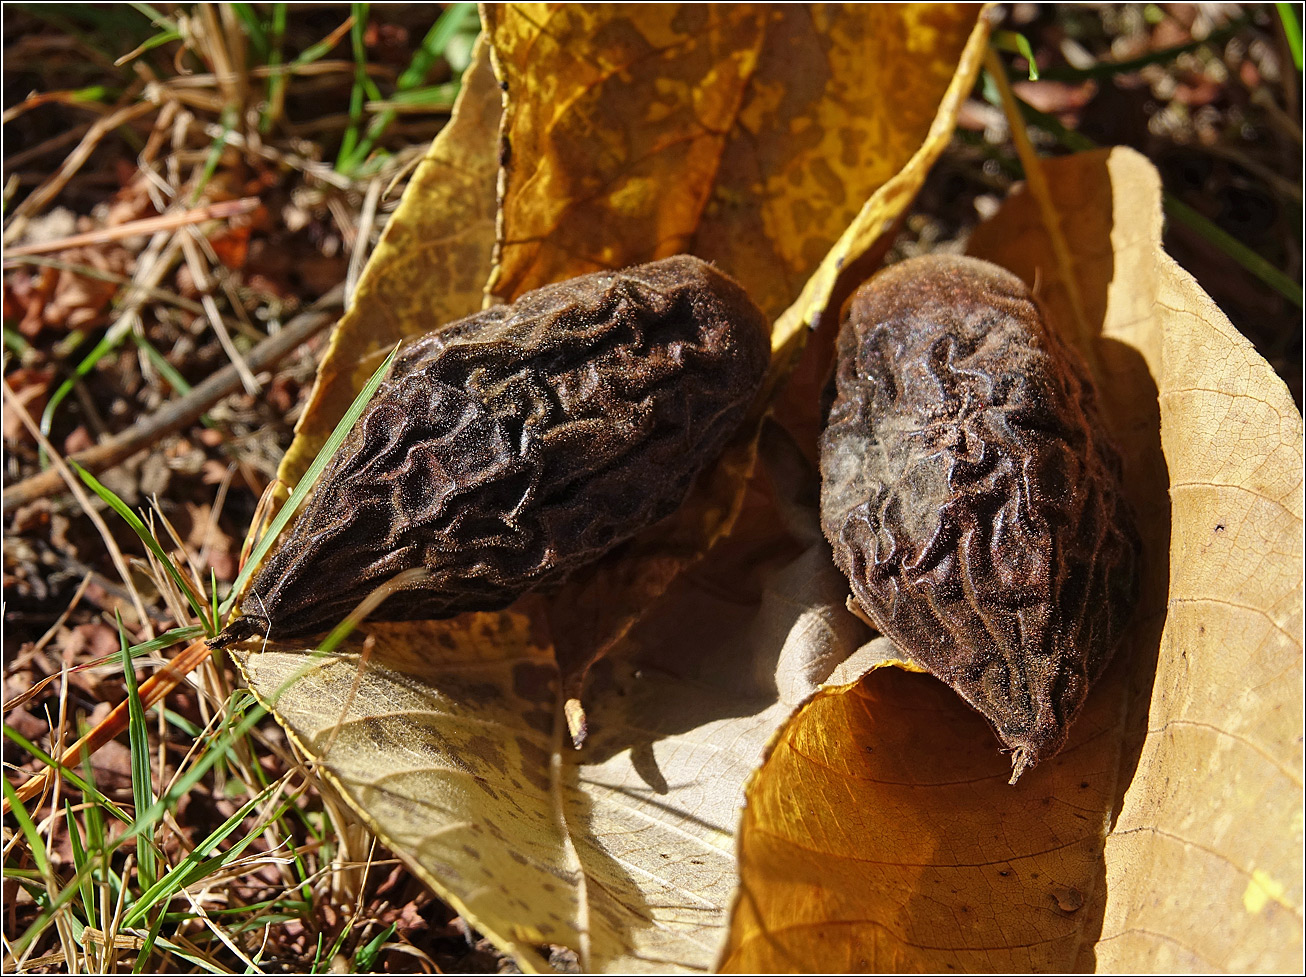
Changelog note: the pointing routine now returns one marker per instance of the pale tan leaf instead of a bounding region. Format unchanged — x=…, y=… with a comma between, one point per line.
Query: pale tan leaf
x=1203, y=867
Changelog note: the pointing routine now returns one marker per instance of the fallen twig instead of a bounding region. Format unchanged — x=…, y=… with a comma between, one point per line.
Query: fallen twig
x=147, y=225
x=176, y=414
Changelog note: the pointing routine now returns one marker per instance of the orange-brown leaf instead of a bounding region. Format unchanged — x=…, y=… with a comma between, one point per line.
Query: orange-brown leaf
x=748, y=134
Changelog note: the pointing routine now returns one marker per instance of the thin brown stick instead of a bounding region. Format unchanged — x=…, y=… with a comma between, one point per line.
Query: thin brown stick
x=211, y=43
x=1036, y=180
x=148, y=225
x=208, y=80
x=63, y=97
x=360, y=248
x=176, y=414
x=46, y=146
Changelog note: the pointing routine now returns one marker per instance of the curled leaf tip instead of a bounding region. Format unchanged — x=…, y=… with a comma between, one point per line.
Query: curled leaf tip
x=576, y=725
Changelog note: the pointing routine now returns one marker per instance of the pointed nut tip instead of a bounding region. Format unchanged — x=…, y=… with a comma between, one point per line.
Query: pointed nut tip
x=1021, y=761
x=237, y=631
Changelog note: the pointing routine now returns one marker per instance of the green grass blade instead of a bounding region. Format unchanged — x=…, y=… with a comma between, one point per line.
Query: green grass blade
x=436, y=96
x=249, y=20
x=25, y=824
x=158, y=40
x=276, y=81
x=133, y=520
x=104, y=347
x=95, y=93
x=310, y=478
x=431, y=50
x=16, y=342
x=97, y=804
x=138, y=735
x=166, y=369
x=195, y=960
x=340, y=941
x=155, y=18
x=358, y=93
x=1291, y=30
x=1015, y=43
x=167, y=639
x=293, y=907
x=1230, y=245
x=337, y=635
x=147, y=947
x=216, y=751
x=178, y=721
x=314, y=52
x=81, y=861
x=365, y=959
x=190, y=867
x=216, y=148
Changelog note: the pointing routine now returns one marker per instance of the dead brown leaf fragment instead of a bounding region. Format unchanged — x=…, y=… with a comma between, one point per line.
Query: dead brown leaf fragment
x=1167, y=835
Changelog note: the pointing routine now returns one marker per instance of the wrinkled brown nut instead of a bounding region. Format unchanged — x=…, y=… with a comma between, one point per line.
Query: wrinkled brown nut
x=513, y=446
x=972, y=498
